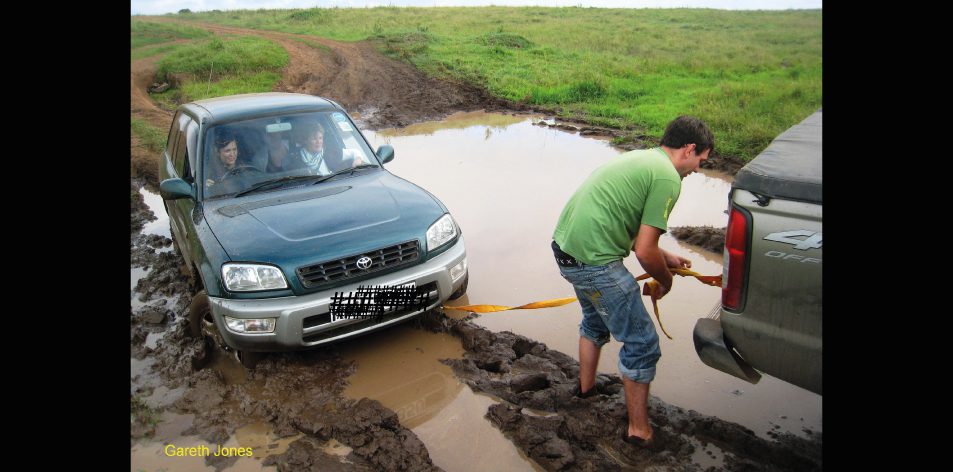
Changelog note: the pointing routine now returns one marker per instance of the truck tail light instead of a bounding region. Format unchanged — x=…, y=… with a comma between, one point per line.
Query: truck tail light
x=736, y=254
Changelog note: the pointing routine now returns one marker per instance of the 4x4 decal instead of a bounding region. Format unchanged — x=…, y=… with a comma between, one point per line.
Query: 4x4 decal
x=812, y=238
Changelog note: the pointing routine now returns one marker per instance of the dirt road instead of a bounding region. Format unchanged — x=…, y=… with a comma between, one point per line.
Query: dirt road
x=300, y=394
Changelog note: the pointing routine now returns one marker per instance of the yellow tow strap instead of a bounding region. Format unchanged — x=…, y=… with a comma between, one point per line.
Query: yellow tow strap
x=651, y=288
x=529, y=306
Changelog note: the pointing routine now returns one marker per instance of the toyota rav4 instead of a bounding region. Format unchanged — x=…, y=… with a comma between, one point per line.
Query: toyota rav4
x=282, y=212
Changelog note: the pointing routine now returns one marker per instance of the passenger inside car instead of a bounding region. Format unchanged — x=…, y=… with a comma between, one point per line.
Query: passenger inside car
x=311, y=149
x=274, y=156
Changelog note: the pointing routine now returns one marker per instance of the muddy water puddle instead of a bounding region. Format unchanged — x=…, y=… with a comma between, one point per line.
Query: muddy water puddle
x=505, y=180
x=160, y=225
x=400, y=367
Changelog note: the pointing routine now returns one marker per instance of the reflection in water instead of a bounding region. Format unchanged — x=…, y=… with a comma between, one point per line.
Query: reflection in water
x=506, y=190
x=456, y=121
x=400, y=368
x=159, y=226
x=226, y=366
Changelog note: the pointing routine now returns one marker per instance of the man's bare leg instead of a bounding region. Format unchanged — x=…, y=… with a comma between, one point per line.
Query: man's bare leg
x=588, y=360
x=637, y=404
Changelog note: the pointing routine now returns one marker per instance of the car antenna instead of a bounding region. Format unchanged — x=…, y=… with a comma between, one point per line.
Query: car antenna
x=209, y=86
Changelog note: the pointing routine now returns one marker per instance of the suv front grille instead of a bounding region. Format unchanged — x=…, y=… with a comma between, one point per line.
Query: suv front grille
x=340, y=270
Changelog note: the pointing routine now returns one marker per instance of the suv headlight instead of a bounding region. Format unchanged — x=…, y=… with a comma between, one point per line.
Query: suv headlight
x=441, y=232
x=251, y=277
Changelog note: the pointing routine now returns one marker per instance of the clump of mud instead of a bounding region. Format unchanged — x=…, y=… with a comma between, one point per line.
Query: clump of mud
x=719, y=162
x=708, y=237
x=563, y=432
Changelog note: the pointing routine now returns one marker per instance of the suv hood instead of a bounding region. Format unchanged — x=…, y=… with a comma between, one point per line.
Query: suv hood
x=296, y=226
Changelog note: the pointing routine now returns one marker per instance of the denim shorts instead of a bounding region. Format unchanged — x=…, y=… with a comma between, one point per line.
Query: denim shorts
x=612, y=303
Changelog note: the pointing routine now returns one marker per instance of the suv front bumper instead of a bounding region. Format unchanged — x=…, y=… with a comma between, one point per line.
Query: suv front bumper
x=304, y=321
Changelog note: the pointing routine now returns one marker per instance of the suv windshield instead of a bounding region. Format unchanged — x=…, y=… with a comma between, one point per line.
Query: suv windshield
x=242, y=155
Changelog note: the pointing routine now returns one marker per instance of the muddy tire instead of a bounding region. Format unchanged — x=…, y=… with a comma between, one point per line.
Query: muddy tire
x=463, y=288
x=200, y=312
x=200, y=315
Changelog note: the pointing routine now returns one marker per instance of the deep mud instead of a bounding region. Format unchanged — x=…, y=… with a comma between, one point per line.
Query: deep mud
x=563, y=432
x=706, y=237
x=300, y=394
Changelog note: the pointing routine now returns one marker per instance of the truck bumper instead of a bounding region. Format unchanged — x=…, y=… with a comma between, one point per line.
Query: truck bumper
x=715, y=352
x=305, y=321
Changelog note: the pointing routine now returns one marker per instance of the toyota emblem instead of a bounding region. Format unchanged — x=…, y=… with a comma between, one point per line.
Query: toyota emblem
x=364, y=262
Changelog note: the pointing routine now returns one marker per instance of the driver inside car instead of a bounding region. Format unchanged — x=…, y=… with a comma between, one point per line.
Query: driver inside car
x=225, y=159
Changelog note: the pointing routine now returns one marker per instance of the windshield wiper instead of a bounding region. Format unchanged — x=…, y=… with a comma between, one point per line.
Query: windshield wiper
x=344, y=171
x=274, y=182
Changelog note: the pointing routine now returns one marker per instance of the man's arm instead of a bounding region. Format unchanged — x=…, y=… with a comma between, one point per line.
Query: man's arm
x=675, y=261
x=651, y=257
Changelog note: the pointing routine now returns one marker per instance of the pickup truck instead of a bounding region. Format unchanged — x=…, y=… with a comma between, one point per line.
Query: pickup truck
x=769, y=317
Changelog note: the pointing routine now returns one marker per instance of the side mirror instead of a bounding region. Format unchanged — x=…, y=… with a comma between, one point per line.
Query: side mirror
x=174, y=189
x=385, y=153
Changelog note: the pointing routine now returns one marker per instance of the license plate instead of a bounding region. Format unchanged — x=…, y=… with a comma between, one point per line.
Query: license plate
x=374, y=301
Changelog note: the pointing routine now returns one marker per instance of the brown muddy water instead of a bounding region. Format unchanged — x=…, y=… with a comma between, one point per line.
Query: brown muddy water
x=505, y=181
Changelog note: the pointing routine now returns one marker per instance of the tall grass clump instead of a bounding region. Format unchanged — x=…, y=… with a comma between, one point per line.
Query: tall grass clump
x=151, y=137
x=221, y=66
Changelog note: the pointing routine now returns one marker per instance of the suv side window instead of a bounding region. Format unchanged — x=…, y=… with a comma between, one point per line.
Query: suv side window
x=173, y=134
x=191, y=138
x=185, y=129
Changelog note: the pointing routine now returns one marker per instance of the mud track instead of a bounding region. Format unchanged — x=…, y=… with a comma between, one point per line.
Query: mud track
x=707, y=237
x=301, y=393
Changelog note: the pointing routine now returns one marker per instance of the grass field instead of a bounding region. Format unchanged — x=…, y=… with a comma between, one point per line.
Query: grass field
x=144, y=33
x=220, y=66
x=749, y=74
x=151, y=137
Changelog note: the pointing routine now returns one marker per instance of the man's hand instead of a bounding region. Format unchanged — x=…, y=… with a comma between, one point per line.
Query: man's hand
x=675, y=261
x=652, y=258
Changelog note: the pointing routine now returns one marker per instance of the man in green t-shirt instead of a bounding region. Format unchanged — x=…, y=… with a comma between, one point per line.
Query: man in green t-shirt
x=623, y=206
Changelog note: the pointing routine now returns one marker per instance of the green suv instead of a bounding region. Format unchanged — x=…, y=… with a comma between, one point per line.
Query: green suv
x=295, y=233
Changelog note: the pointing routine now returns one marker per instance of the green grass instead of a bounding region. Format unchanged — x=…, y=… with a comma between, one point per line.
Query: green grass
x=218, y=67
x=749, y=74
x=145, y=33
x=151, y=137
x=149, y=51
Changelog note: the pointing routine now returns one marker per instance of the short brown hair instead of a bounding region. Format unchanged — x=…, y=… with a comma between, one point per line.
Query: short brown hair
x=688, y=130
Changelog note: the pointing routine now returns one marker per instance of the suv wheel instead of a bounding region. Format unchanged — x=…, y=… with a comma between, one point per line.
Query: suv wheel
x=202, y=325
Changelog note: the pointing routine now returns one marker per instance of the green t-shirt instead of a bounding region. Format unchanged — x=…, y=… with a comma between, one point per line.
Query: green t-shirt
x=601, y=220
